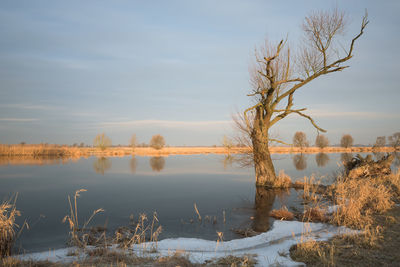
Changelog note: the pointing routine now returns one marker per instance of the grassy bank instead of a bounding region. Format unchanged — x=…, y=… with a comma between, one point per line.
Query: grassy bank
x=77, y=152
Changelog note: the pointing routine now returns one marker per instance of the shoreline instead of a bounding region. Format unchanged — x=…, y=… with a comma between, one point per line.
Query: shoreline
x=59, y=151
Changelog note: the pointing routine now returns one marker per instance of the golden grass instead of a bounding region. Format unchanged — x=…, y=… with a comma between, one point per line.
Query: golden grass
x=8, y=214
x=282, y=214
x=79, y=235
x=359, y=199
x=282, y=180
x=64, y=151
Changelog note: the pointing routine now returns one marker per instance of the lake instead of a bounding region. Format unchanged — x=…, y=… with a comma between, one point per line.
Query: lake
x=167, y=185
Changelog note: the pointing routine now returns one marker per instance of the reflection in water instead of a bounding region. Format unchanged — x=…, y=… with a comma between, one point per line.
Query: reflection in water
x=300, y=162
x=322, y=159
x=346, y=157
x=264, y=201
x=157, y=163
x=396, y=161
x=101, y=165
x=133, y=164
x=378, y=155
x=227, y=161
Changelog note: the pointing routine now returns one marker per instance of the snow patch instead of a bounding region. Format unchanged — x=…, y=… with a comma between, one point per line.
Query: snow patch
x=270, y=248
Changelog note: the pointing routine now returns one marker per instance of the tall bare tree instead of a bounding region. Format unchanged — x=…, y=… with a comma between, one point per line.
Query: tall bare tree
x=278, y=74
x=300, y=139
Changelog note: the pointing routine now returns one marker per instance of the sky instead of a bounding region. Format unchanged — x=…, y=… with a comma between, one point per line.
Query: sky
x=72, y=69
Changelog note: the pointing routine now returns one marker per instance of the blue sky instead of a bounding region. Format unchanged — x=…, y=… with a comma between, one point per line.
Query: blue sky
x=72, y=69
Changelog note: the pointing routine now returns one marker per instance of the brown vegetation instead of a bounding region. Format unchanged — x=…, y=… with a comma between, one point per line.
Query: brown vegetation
x=8, y=214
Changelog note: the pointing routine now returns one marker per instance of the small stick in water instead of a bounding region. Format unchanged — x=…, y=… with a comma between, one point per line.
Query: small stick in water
x=197, y=211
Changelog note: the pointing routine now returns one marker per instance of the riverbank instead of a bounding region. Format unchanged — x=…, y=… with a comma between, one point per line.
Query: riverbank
x=59, y=151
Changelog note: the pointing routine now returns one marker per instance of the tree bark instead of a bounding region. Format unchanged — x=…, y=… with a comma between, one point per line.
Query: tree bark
x=264, y=169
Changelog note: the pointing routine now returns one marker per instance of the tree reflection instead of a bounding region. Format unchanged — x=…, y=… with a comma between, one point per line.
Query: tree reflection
x=228, y=161
x=101, y=165
x=346, y=157
x=157, y=163
x=264, y=201
x=378, y=155
x=300, y=162
x=322, y=159
x=396, y=162
x=133, y=164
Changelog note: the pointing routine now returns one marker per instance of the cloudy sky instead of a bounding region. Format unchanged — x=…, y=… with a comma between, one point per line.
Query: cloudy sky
x=72, y=69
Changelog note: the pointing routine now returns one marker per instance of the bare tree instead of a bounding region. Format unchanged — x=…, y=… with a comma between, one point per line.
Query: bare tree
x=157, y=141
x=321, y=141
x=300, y=140
x=394, y=140
x=102, y=141
x=133, y=142
x=277, y=74
x=380, y=141
x=346, y=141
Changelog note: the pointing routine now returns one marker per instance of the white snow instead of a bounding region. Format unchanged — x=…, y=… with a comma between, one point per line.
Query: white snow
x=268, y=247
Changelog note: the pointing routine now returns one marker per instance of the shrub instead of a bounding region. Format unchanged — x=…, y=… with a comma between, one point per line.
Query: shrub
x=300, y=139
x=102, y=141
x=157, y=141
x=346, y=141
x=321, y=141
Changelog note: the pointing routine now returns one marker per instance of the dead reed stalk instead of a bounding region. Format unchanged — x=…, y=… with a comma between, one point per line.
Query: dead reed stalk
x=79, y=235
x=8, y=214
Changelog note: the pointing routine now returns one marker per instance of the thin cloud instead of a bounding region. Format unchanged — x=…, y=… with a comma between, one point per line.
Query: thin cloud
x=18, y=119
x=166, y=123
x=27, y=106
x=351, y=114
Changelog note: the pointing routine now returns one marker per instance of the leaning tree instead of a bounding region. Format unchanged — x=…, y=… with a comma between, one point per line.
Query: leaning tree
x=278, y=74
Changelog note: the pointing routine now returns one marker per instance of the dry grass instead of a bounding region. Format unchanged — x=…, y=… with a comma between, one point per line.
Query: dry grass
x=282, y=180
x=358, y=200
x=79, y=235
x=139, y=233
x=8, y=214
x=282, y=214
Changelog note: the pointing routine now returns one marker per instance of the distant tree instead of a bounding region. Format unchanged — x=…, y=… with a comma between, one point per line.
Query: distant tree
x=133, y=142
x=300, y=140
x=82, y=144
x=321, y=141
x=227, y=142
x=102, y=141
x=380, y=141
x=22, y=143
x=394, y=140
x=346, y=141
x=157, y=141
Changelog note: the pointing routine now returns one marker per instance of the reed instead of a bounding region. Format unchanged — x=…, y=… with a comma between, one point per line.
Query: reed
x=8, y=214
x=79, y=235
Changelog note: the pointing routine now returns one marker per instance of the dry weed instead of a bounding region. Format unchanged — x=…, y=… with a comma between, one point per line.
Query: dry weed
x=282, y=214
x=8, y=214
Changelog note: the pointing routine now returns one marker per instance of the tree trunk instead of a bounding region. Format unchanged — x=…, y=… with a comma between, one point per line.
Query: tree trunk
x=264, y=169
x=264, y=201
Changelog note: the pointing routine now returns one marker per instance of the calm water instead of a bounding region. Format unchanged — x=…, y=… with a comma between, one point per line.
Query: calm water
x=169, y=185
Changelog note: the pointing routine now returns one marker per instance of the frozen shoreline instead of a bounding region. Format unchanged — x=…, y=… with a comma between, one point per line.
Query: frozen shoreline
x=267, y=246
